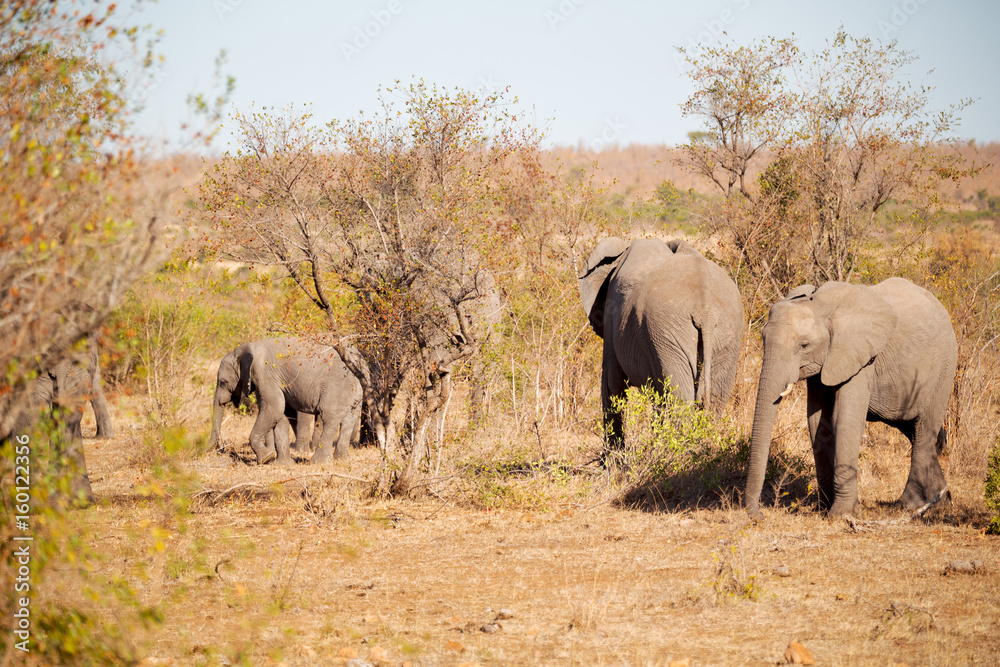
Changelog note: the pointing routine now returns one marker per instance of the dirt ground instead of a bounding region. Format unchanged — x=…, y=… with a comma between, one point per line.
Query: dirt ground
x=272, y=574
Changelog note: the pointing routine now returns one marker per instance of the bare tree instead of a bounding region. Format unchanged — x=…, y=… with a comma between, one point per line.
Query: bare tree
x=389, y=225
x=808, y=149
x=742, y=96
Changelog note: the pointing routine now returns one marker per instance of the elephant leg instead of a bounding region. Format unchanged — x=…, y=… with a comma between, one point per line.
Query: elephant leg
x=291, y=416
x=327, y=436
x=613, y=384
x=268, y=416
x=348, y=427
x=317, y=433
x=821, y=432
x=105, y=427
x=926, y=479
x=70, y=391
x=303, y=432
x=81, y=495
x=681, y=371
x=850, y=411
x=281, y=430
x=724, y=363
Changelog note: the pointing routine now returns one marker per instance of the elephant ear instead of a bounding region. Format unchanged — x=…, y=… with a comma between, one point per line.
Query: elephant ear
x=682, y=247
x=861, y=325
x=593, y=281
x=800, y=292
x=245, y=358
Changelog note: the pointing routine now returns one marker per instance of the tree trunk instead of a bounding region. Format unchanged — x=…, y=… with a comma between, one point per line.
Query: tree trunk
x=431, y=400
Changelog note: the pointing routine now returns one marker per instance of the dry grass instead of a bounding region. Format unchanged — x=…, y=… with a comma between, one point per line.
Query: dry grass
x=300, y=567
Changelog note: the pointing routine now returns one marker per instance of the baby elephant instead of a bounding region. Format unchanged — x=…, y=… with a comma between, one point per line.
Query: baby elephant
x=291, y=376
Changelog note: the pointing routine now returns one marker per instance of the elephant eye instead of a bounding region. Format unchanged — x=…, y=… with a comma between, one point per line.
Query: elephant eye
x=803, y=345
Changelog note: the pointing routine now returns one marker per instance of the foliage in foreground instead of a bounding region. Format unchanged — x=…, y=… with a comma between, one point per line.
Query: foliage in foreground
x=79, y=228
x=991, y=490
x=69, y=244
x=674, y=453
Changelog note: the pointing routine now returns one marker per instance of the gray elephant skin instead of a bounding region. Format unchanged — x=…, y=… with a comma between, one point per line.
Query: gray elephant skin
x=666, y=314
x=64, y=390
x=884, y=353
x=290, y=377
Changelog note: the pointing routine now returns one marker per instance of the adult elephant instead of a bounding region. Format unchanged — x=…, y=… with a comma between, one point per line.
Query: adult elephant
x=105, y=427
x=63, y=391
x=290, y=376
x=867, y=353
x=667, y=315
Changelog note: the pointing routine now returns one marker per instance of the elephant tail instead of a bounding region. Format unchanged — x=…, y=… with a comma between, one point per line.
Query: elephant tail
x=703, y=394
x=942, y=440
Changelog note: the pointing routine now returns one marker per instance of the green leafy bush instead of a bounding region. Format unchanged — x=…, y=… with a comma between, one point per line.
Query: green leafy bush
x=675, y=453
x=672, y=449
x=991, y=492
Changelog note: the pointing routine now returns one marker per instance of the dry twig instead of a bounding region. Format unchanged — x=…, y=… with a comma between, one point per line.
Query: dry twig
x=863, y=526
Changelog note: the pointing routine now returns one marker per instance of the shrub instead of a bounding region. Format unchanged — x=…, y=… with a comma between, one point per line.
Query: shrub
x=672, y=449
x=674, y=453
x=991, y=492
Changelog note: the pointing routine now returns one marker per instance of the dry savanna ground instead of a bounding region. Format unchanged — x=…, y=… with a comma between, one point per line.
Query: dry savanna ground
x=535, y=564
x=296, y=566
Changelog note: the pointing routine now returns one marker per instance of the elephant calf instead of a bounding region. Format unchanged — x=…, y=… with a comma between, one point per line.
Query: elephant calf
x=867, y=353
x=667, y=316
x=292, y=378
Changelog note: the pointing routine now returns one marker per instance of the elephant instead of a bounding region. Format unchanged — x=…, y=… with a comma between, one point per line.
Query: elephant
x=668, y=316
x=884, y=353
x=306, y=437
x=63, y=390
x=292, y=378
x=105, y=427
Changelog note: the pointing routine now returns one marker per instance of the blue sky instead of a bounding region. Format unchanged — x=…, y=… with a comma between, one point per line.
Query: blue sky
x=591, y=72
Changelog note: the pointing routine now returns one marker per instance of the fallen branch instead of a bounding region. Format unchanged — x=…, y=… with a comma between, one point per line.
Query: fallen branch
x=218, y=565
x=219, y=495
x=899, y=608
x=429, y=482
x=325, y=474
x=222, y=494
x=863, y=526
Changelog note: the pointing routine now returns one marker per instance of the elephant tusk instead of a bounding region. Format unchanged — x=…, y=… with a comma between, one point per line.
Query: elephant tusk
x=788, y=390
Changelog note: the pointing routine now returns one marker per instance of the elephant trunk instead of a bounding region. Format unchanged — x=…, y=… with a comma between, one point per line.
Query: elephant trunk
x=772, y=387
x=217, y=411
